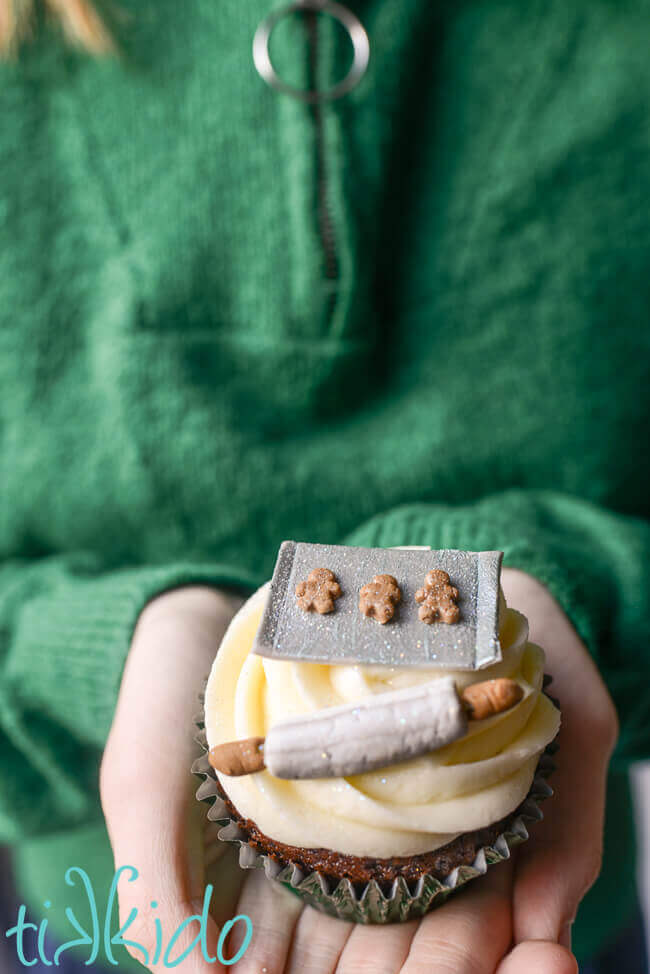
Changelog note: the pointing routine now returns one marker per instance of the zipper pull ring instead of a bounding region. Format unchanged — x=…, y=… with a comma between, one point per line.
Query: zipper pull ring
x=351, y=25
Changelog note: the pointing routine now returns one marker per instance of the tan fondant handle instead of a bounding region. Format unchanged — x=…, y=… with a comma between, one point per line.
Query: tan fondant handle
x=238, y=757
x=479, y=700
x=491, y=697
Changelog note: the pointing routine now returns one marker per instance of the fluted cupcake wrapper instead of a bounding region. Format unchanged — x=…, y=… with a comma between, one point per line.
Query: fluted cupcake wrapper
x=367, y=902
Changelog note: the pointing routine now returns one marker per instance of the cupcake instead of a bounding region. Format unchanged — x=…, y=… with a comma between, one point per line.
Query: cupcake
x=372, y=771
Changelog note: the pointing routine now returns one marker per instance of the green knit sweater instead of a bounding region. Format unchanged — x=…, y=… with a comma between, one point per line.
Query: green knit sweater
x=418, y=316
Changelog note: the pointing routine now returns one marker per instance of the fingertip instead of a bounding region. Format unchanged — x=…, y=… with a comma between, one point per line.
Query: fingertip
x=538, y=957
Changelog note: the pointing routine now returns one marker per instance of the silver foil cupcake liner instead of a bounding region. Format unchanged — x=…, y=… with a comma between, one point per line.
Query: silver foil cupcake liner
x=371, y=902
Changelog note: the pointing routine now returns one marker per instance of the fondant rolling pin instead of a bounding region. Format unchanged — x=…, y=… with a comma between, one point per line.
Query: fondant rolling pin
x=376, y=732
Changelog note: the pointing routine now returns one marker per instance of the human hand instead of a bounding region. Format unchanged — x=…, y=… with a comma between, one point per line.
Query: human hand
x=513, y=921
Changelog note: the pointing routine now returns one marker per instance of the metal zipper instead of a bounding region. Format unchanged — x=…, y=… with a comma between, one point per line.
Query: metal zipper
x=326, y=230
x=314, y=98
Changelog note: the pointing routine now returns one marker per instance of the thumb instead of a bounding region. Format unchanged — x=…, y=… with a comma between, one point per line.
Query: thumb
x=163, y=909
x=562, y=859
x=155, y=825
x=563, y=856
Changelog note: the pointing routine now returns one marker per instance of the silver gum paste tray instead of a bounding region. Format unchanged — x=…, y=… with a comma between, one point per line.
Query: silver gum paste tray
x=347, y=636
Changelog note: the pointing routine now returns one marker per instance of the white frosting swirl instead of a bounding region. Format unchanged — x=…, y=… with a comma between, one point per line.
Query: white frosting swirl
x=409, y=808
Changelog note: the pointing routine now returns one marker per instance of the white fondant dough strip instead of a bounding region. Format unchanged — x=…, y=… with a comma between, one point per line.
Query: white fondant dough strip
x=375, y=732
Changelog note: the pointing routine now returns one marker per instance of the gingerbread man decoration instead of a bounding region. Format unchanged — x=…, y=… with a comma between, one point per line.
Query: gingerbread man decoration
x=438, y=598
x=378, y=598
x=319, y=592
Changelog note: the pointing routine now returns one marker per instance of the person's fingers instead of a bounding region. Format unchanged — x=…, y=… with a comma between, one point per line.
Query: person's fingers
x=538, y=957
x=377, y=949
x=318, y=942
x=274, y=912
x=562, y=858
x=469, y=934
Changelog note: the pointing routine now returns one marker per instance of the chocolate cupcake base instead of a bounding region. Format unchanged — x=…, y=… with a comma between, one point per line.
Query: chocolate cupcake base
x=333, y=866
x=367, y=890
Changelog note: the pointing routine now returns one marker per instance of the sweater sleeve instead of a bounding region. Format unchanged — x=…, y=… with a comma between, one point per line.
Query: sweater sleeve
x=65, y=630
x=596, y=563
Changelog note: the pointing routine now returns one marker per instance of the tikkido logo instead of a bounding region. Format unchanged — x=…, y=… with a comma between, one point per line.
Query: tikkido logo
x=98, y=936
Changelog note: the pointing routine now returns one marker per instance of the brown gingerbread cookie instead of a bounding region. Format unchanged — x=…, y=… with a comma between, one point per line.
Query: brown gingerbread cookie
x=438, y=598
x=378, y=598
x=319, y=592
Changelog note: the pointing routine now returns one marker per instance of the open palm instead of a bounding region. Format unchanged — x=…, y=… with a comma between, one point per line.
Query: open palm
x=515, y=920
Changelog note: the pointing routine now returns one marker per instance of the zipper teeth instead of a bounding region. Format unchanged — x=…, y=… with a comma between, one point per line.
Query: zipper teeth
x=326, y=230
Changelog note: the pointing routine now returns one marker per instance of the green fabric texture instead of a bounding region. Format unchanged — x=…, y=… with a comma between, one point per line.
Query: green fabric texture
x=419, y=315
